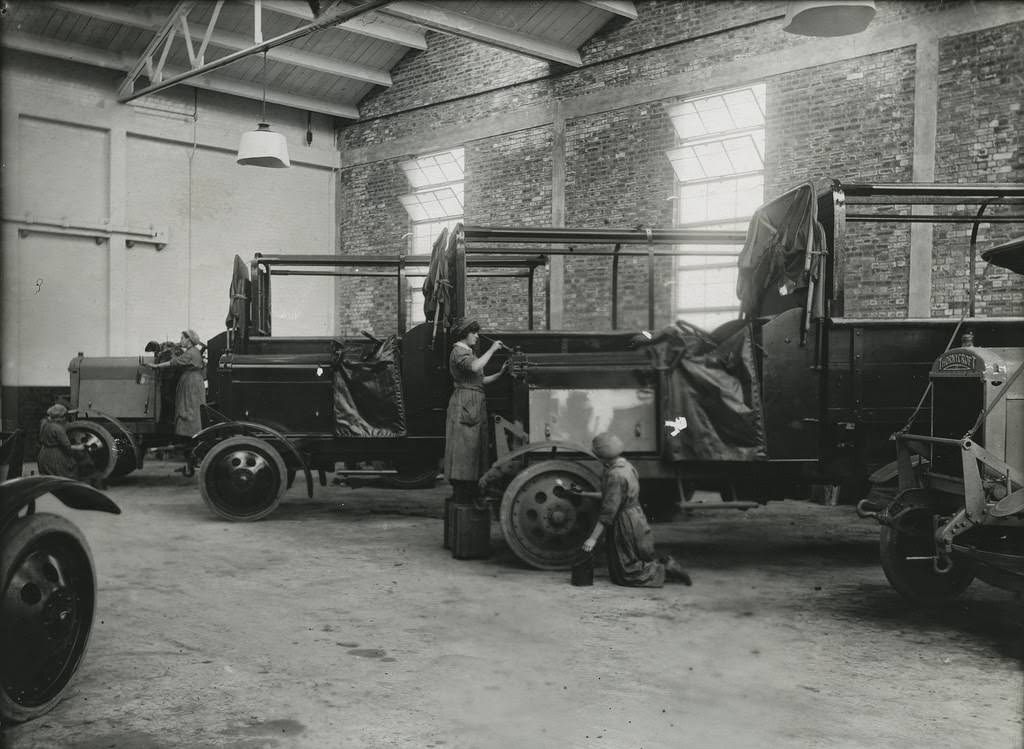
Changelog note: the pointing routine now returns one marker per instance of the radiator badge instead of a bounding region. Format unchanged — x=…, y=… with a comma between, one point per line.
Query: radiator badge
x=957, y=360
x=676, y=426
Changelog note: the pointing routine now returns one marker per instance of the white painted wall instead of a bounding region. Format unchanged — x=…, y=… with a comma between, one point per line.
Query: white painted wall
x=72, y=154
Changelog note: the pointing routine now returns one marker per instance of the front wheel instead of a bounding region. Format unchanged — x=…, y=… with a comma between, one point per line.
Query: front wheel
x=543, y=524
x=103, y=449
x=46, y=612
x=907, y=557
x=242, y=478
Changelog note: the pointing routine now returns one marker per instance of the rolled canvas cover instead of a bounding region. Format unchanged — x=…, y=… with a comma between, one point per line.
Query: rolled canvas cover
x=715, y=388
x=368, y=394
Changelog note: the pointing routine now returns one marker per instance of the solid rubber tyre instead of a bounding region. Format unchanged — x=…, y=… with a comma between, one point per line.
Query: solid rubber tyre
x=916, y=579
x=47, y=601
x=545, y=528
x=242, y=479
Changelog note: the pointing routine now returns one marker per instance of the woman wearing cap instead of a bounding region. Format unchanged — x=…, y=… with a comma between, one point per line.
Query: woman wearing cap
x=191, y=391
x=631, y=556
x=465, y=450
x=56, y=453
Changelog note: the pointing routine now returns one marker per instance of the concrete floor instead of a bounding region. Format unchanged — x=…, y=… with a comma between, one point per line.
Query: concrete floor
x=341, y=622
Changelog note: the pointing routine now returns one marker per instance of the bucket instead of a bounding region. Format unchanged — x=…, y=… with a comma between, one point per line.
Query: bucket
x=583, y=570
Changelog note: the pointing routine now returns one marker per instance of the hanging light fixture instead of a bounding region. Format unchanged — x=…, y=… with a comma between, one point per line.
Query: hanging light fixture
x=263, y=147
x=828, y=17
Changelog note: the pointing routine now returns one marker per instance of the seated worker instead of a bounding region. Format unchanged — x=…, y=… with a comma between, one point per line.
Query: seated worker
x=58, y=457
x=630, y=546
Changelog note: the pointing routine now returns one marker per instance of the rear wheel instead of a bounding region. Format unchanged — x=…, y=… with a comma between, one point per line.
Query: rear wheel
x=242, y=478
x=544, y=525
x=46, y=610
x=413, y=474
x=907, y=555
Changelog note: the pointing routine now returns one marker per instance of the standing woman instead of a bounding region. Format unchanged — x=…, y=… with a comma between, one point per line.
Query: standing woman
x=191, y=391
x=465, y=447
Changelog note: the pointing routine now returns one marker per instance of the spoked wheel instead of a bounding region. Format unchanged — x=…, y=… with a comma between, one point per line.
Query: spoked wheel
x=543, y=525
x=242, y=478
x=46, y=611
x=103, y=448
x=907, y=553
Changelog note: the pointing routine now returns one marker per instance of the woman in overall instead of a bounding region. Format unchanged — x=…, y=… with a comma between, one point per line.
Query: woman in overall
x=632, y=560
x=191, y=391
x=465, y=447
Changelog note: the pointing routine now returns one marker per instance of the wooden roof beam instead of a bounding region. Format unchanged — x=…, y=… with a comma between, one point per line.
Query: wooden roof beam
x=617, y=7
x=113, y=61
x=459, y=24
x=373, y=25
x=233, y=42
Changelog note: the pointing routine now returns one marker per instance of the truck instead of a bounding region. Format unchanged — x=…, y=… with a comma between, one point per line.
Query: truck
x=793, y=399
x=120, y=408
x=958, y=513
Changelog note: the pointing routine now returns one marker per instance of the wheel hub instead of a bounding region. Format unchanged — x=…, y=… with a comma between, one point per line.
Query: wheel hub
x=244, y=467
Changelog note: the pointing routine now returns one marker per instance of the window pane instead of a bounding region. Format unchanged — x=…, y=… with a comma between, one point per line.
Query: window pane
x=434, y=169
x=720, y=136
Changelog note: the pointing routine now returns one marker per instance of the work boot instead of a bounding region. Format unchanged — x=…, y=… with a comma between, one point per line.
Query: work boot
x=674, y=571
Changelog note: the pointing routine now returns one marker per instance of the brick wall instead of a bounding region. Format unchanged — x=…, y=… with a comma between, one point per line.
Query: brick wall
x=508, y=183
x=852, y=119
x=450, y=68
x=980, y=139
x=617, y=175
x=371, y=222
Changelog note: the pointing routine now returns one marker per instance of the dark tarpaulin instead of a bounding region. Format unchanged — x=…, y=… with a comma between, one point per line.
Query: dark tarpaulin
x=780, y=251
x=715, y=388
x=368, y=394
x=238, y=296
x=437, y=286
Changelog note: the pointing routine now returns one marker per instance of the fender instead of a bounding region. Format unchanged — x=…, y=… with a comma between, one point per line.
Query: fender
x=890, y=470
x=96, y=413
x=253, y=429
x=16, y=494
x=553, y=446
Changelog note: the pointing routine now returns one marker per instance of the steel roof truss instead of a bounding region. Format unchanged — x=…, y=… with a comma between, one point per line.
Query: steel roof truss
x=127, y=90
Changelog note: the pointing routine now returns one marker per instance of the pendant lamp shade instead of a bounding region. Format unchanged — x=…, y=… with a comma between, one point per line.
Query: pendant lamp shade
x=828, y=18
x=263, y=147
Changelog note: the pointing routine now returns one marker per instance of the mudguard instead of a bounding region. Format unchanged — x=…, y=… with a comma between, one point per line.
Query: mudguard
x=92, y=414
x=252, y=429
x=18, y=493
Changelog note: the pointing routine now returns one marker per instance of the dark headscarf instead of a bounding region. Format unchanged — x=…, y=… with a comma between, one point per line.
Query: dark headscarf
x=463, y=327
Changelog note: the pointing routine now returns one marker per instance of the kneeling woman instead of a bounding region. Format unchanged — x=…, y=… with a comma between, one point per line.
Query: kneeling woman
x=631, y=557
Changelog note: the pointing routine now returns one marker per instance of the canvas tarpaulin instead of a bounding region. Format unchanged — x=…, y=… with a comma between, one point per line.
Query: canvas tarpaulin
x=368, y=394
x=782, y=249
x=714, y=386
